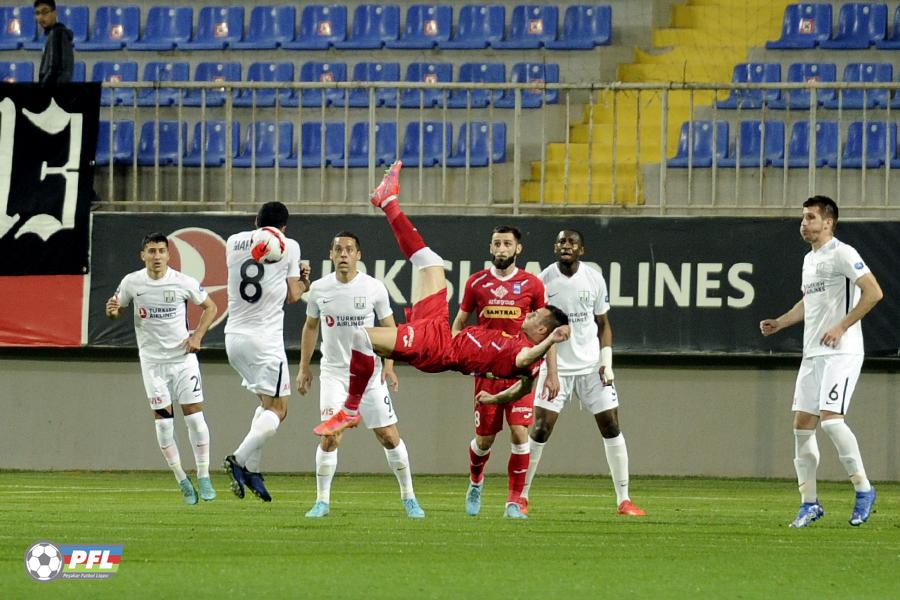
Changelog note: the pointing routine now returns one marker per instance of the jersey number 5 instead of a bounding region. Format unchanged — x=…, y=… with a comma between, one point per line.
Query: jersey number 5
x=250, y=287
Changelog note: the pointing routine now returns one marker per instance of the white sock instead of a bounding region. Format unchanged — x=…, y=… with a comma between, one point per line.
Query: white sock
x=617, y=458
x=165, y=435
x=426, y=257
x=848, y=451
x=250, y=450
x=198, y=432
x=806, y=461
x=255, y=456
x=398, y=460
x=326, y=465
x=537, y=448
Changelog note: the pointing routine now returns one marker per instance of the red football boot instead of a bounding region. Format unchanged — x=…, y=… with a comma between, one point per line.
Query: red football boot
x=336, y=424
x=628, y=508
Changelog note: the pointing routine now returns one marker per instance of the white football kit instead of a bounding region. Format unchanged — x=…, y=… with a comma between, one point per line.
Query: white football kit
x=254, y=333
x=828, y=376
x=342, y=308
x=581, y=297
x=160, y=325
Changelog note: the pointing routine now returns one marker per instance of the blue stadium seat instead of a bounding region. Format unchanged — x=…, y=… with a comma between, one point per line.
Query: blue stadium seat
x=320, y=27
x=805, y=25
x=373, y=25
x=171, y=150
x=270, y=27
x=270, y=72
x=892, y=41
x=323, y=72
x=435, y=145
x=17, y=26
x=798, y=146
x=478, y=26
x=871, y=139
x=752, y=73
x=859, y=26
x=17, y=72
x=217, y=27
x=115, y=72
x=863, y=72
x=698, y=152
x=803, y=73
x=122, y=143
x=584, y=28
x=74, y=17
x=163, y=71
x=477, y=73
x=748, y=150
x=531, y=73
x=212, y=71
x=78, y=70
x=369, y=72
x=427, y=26
x=310, y=145
x=114, y=27
x=530, y=26
x=427, y=73
x=262, y=140
x=210, y=144
x=166, y=27
x=358, y=146
x=479, y=144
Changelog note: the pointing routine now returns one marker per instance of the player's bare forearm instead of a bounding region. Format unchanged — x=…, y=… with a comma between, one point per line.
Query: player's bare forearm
x=210, y=310
x=604, y=330
x=528, y=356
x=112, y=308
x=296, y=288
x=308, y=338
x=519, y=389
x=459, y=322
x=791, y=317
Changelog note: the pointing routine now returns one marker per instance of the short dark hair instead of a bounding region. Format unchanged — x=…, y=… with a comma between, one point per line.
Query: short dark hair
x=272, y=214
x=347, y=234
x=153, y=238
x=827, y=207
x=508, y=229
x=50, y=3
x=556, y=318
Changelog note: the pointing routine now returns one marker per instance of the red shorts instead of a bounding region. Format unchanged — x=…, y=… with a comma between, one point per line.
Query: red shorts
x=424, y=341
x=489, y=417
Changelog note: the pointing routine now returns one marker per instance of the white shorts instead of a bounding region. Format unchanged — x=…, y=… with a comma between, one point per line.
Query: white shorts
x=262, y=364
x=826, y=383
x=178, y=381
x=589, y=388
x=376, y=408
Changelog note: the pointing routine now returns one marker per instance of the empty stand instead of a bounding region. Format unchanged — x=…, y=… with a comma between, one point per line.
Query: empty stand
x=17, y=26
x=114, y=27
x=826, y=144
x=209, y=145
x=432, y=140
x=166, y=27
x=310, y=148
x=584, y=28
x=16, y=72
x=212, y=71
x=171, y=146
x=486, y=145
x=859, y=26
x=115, y=72
x=321, y=26
x=477, y=73
x=752, y=73
x=270, y=27
x=217, y=27
x=758, y=144
x=427, y=26
x=805, y=26
x=266, y=72
x=358, y=146
x=479, y=26
x=531, y=26
x=122, y=143
x=162, y=72
x=263, y=141
x=426, y=73
x=373, y=26
x=696, y=143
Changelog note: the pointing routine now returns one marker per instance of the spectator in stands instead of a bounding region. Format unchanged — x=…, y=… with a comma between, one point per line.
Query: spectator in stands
x=58, y=58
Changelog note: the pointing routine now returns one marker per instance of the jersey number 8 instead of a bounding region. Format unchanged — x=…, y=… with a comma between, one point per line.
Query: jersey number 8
x=250, y=287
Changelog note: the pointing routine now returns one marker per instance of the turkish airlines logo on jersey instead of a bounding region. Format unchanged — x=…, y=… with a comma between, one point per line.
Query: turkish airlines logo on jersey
x=329, y=320
x=200, y=253
x=142, y=312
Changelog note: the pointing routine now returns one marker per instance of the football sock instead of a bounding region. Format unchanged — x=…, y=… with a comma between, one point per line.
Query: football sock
x=362, y=366
x=249, y=452
x=617, y=458
x=516, y=469
x=477, y=459
x=848, y=451
x=398, y=460
x=536, y=449
x=424, y=258
x=198, y=432
x=165, y=435
x=326, y=465
x=255, y=456
x=806, y=461
x=407, y=235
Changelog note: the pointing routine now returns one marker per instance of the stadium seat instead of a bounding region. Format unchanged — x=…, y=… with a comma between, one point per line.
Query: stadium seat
x=803, y=73
x=857, y=98
x=159, y=72
x=427, y=73
x=870, y=149
x=171, y=148
x=373, y=25
x=74, y=17
x=78, y=70
x=477, y=73
x=217, y=27
x=17, y=26
x=358, y=146
x=260, y=144
x=17, y=72
x=211, y=71
x=798, y=146
x=584, y=28
x=320, y=27
x=859, y=26
x=268, y=72
x=166, y=27
x=805, y=25
x=122, y=143
x=695, y=144
x=310, y=145
x=114, y=27
x=750, y=147
x=752, y=73
x=115, y=72
x=479, y=143
x=427, y=26
x=321, y=72
x=370, y=72
x=210, y=145
x=270, y=27
x=892, y=41
x=531, y=73
x=478, y=26
x=530, y=26
x=435, y=144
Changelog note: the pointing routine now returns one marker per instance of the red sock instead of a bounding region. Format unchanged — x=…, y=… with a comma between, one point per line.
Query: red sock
x=407, y=235
x=517, y=468
x=476, y=465
x=361, y=368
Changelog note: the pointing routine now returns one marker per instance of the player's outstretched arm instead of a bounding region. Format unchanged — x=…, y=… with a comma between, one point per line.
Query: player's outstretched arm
x=308, y=339
x=870, y=295
x=459, y=322
x=791, y=317
x=517, y=390
x=528, y=356
x=210, y=310
x=112, y=307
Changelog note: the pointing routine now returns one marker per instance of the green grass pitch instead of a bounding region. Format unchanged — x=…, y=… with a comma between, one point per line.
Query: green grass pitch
x=708, y=538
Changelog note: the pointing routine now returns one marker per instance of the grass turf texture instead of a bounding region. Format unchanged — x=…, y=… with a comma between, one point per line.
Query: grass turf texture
x=702, y=537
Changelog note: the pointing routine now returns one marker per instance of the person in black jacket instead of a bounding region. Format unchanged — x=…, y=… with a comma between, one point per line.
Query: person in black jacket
x=58, y=58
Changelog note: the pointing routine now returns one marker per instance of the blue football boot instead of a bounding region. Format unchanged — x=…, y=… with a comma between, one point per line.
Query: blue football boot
x=473, y=499
x=413, y=510
x=318, y=510
x=206, y=489
x=809, y=512
x=864, y=503
x=236, y=472
x=514, y=511
x=254, y=481
x=188, y=491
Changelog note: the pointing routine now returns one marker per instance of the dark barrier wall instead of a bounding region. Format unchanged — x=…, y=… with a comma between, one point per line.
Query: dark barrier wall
x=683, y=285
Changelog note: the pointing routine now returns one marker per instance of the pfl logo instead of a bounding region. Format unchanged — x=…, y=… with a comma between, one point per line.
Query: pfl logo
x=44, y=561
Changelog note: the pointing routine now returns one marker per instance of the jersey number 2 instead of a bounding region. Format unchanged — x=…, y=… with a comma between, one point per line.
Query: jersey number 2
x=250, y=287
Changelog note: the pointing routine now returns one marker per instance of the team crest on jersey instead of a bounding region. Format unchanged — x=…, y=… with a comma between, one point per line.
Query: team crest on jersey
x=169, y=296
x=584, y=296
x=359, y=302
x=859, y=265
x=500, y=291
x=517, y=288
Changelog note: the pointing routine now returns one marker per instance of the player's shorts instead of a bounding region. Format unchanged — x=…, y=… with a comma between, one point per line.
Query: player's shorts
x=261, y=363
x=589, y=388
x=826, y=383
x=376, y=408
x=423, y=341
x=489, y=417
x=177, y=381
